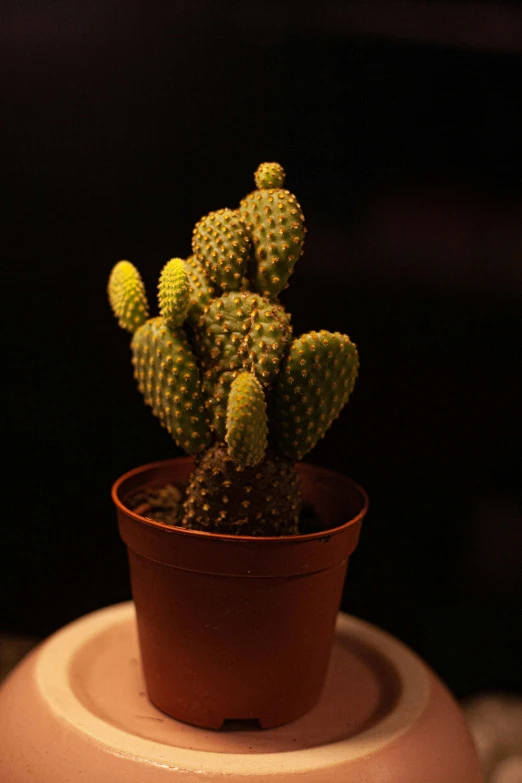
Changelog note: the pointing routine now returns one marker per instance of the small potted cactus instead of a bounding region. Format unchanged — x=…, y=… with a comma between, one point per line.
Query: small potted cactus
x=238, y=552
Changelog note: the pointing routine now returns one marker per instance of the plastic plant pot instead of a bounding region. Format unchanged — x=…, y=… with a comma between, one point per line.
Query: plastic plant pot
x=238, y=627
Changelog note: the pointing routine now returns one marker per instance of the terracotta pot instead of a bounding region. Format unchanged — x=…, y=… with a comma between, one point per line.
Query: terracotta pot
x=238, y=627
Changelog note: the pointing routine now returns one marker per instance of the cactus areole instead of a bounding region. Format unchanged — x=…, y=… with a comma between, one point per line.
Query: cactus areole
x=222, y=370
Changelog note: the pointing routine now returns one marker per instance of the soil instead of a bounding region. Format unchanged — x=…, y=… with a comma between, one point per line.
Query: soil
x=165, y=504
x=161, y=504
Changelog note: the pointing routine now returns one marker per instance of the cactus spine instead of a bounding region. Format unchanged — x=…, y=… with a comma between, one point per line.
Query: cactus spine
x=221, y=354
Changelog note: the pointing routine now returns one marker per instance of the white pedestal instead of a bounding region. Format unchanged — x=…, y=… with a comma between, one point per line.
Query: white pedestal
x=75, y=711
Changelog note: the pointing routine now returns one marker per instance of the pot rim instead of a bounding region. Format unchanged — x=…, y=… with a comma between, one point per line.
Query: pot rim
x=302, y=467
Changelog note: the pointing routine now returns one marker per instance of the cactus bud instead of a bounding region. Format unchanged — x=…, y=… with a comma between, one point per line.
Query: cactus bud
x=269, y=175
x=174, y=293
x=127, y=296
x=246, y=433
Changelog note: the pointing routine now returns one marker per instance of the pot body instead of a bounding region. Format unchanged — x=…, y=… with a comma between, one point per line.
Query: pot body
x=238, y=627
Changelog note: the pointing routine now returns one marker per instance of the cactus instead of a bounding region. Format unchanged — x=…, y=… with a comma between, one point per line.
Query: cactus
x=221, y=243
x=127, y=296
x=201, y=290
x=221, y=369
x=244, y=330
x=276, y=223
x=318, y=377
x=168, y=377
x=174, y=293
x=269, y=175
x=258, y=500
x=247, y=428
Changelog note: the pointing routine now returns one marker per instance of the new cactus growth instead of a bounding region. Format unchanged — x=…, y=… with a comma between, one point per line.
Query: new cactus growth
x=174, y=293
x=127, y=296
x=246, y=433
x=221, y=369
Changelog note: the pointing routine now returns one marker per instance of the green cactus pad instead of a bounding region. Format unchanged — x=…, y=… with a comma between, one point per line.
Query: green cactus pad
x=127, y=296
x=225, y=497
x=221, y=243
x=269, y=175
x=174, y=293
x=245, y=331
x=202, y=290
x=275, y=222
x=168, y=377
x=314, y=385
x=246, y=425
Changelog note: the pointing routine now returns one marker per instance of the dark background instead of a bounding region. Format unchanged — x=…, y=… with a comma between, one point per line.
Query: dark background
x=400, y=127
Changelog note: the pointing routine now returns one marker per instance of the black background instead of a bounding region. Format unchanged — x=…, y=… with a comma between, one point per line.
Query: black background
x=122, y=125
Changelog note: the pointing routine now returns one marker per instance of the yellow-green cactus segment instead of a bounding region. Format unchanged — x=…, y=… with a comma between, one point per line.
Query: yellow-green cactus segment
x=269, y=175
x=275, y=222
x=174, y=293
x=247, y=428
x=221, y=243
x=244, y=331
x=168, y=377
x=202, y=290
x=314, y=385
x=127, y=296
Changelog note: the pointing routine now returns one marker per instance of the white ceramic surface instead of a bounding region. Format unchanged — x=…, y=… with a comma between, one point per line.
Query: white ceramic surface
x=76, y=710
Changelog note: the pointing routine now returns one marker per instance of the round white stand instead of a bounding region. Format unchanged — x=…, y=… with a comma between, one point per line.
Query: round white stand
x=75, y=711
